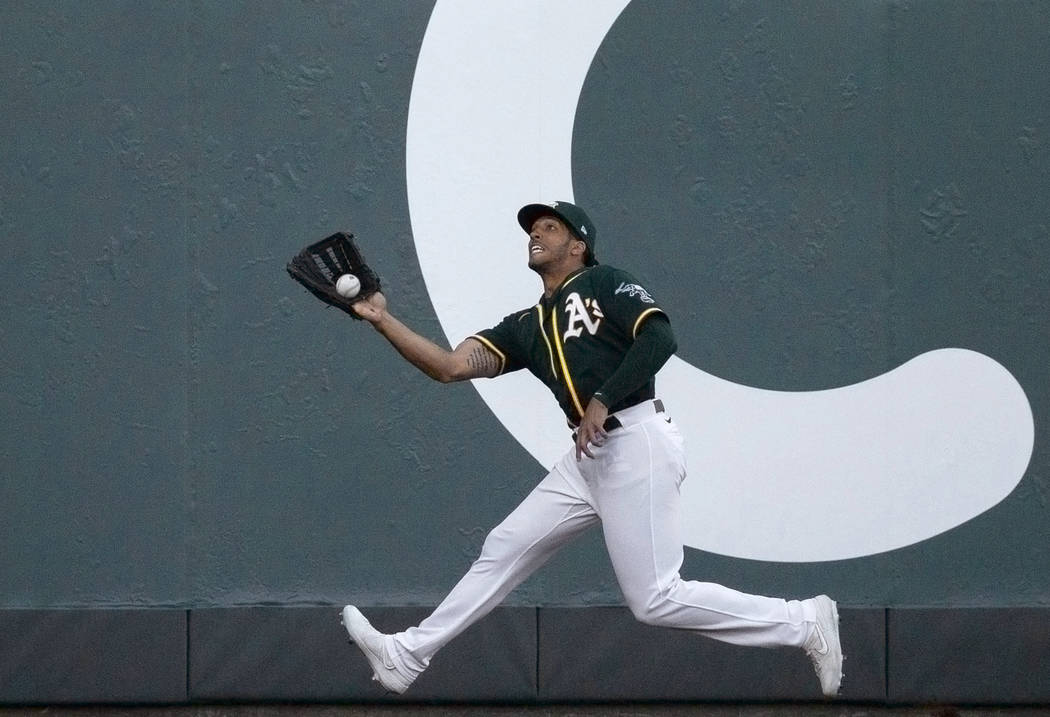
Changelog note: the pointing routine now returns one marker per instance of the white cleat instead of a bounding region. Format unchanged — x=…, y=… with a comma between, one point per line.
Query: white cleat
x=373, y=645
x=823, y=646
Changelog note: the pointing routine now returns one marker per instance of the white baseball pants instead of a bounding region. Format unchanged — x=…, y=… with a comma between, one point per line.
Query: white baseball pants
x=631, y=487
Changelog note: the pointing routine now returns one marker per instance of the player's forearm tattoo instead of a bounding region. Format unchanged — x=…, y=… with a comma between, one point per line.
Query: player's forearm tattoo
x=483, y=363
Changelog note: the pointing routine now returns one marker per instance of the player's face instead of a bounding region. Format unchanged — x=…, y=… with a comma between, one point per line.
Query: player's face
x=550, y=243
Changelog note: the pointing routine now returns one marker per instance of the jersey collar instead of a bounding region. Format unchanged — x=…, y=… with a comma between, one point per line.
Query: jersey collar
x=547, y=303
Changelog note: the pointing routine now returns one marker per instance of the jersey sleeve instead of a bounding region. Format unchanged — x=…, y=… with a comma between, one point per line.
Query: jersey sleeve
x=503, y=340
x=627, y=303
x=648, y=353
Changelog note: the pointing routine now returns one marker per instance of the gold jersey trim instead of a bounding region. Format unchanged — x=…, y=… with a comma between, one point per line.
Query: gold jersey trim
x=564, y=365
x=642, y=317
x=543, y=333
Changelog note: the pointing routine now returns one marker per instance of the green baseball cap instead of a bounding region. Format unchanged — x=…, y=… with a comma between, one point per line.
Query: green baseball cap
x=575, y=218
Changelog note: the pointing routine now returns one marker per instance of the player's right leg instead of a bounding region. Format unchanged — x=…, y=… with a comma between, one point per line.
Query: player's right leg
x=551, y=515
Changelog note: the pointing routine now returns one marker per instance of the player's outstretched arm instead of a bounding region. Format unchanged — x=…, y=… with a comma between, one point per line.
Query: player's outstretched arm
x=471, y=359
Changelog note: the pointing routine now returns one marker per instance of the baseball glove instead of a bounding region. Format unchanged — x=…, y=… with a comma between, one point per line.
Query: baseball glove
x=319, y=266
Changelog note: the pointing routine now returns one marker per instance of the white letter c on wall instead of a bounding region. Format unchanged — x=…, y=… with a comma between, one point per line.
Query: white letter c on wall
x=775, y=475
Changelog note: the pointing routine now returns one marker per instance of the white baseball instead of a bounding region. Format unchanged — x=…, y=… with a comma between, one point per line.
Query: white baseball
x=348, y=286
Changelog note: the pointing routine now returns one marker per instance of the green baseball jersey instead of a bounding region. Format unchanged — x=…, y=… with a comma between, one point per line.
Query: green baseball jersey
x=575, y=340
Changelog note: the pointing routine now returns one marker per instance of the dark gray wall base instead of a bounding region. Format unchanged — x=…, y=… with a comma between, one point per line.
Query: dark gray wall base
x=969, y=655
x=303, y=654
x=522, y=655
x=79, y=656
x=604, y=654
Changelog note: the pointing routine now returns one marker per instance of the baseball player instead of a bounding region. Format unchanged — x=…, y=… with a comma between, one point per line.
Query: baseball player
x=596, y=338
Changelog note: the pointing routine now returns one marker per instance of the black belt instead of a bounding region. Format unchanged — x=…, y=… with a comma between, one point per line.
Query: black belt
x=612, y=422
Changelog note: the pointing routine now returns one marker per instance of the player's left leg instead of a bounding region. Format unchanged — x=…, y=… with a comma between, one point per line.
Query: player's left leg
x=635, y=483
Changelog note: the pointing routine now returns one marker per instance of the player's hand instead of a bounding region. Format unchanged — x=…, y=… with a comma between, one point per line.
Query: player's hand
x=590, y=431
x=371, y=309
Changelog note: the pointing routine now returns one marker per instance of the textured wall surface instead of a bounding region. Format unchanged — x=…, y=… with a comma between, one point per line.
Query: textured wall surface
x=201, y=460
x=819, y=190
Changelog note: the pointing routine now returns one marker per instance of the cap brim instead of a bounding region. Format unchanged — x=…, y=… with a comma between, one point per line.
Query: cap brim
x=528, y=215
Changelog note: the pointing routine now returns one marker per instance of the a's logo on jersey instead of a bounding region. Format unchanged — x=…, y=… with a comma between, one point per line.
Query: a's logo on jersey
x=637, y=291
x=583, y=314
